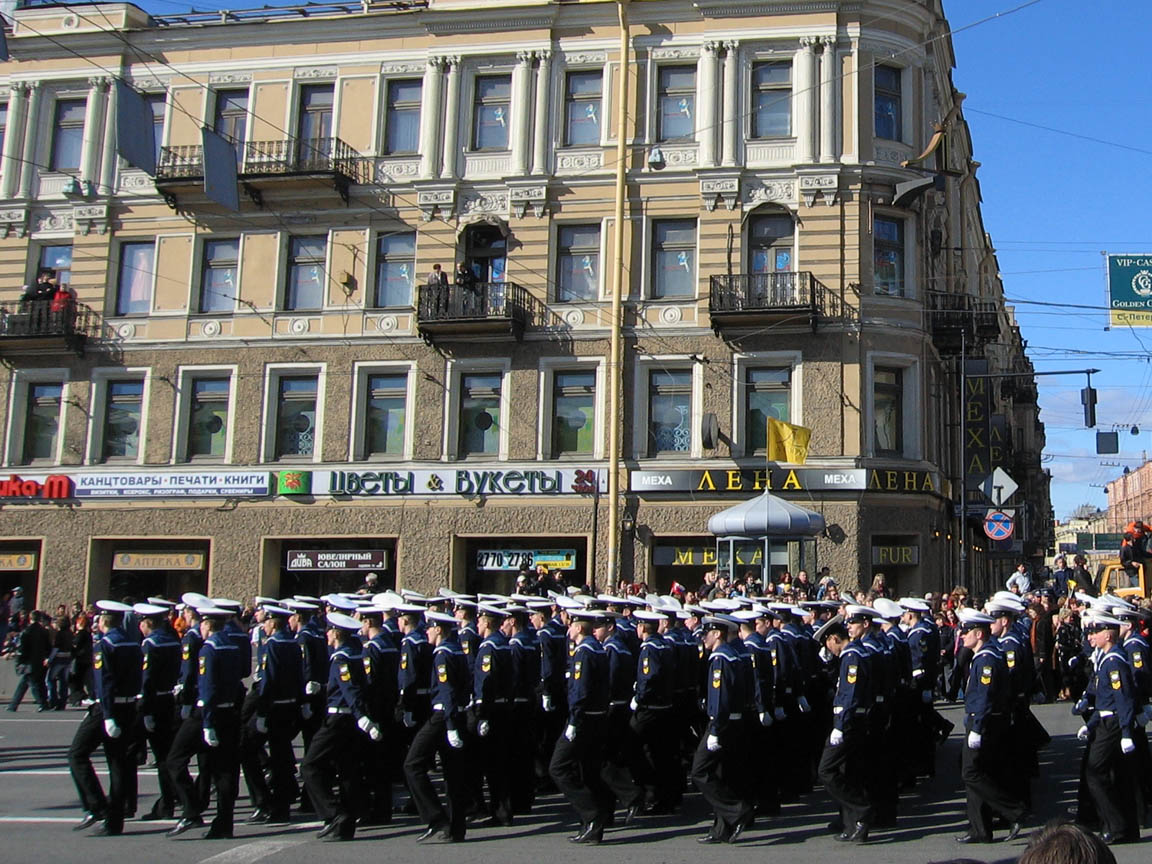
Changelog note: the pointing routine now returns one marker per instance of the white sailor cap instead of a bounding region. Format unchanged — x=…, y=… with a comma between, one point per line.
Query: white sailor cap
x=340, y=621
x=996, y=608
x=889, y=609
x=646, y=615
x=386, y=600
x=193, y=599
x=259, y=600
x=1111, y=600
x=860, y=613
x=113, y=606
x=440, y=619
x=490, y=610
x=746, y=616
x=539, y=606
x=338, y=602
x=307, y=598
x=276, y=611
x=1010, y=596
x=611, y=599
x=148, y=610
x=593, y=615
x=160, y=601
x=224, y=603
x=1098, y=620
x=970, y=618
x=915, y=604
x=215, y=611
x=721, y=604
x=568, y=604
x=719, y=622
x=411, y=609
x=822, y=632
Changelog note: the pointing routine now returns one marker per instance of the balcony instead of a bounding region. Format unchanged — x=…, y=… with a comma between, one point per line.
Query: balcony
x=34, y=326
x=497, y=309
x=264, y=163
x=749, y=299
x=961, y=320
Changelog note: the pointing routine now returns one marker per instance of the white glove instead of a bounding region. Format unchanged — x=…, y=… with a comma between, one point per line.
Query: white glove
x=454, y=739
x=713, y=744
x=483, y=728
x=926, y=697
x=1127, y=746
x=803, y=703
x=261, y=725
x=836, y=738
x=634, y=705
x=306, y=711
x=112, y=728
x=178, y=689
x=409, y=720
x=975, y=739
x=1082, y=733
x=367, y=726
x=149, y=723
x=570, y=732
x=546, y=703
x=312, y=688
x=765, y=718
x=780, y=715
x=185, y=712
x=210, y=737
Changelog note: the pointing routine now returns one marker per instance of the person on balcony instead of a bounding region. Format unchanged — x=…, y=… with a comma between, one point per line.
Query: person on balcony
x=62, y=311
x=438, y=289
x=466, y=289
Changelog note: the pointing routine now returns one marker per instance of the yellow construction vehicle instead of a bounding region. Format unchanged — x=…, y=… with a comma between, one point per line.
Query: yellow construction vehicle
x=1113, y=578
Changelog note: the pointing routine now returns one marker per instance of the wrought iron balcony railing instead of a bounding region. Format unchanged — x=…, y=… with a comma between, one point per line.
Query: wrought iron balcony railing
x=483, y=307
x=744, y=296
x=283, y=158
x=35, y=324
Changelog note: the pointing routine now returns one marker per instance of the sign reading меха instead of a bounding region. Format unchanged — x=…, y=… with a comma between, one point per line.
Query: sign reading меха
x=775, y=479
x=1130, y=290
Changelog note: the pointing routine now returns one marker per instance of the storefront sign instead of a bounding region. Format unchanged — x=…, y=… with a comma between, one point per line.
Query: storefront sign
x=704, y=556
x=338, y=559
x=175, y=484
x=1130, y=290
x=158, y=561
x=52, y=486
x=1098, y=542
x=977, y=422
x=510, y=480
x=514, y=559
x=896, y=556
x=18, y=561
x=775, y=479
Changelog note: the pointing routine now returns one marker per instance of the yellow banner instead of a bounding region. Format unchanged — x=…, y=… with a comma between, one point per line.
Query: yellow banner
x=158, y=561
x=18, y=561
x=787, y=442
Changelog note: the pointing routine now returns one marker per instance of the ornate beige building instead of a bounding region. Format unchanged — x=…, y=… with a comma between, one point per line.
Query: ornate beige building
x=271, y=399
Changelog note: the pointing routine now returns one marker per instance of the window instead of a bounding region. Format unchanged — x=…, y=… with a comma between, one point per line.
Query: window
x=771, y=100
x=58, y=258
x=402, y=121
x=67, y=135
x=480, y=414
x=306, y=277
x=669, y=411
x=573, y=413
x=770, y=241
x=395, y=269
x=385, y=415
x=767, y=393
x=208, y=418
x=314, y=127
x=889, y=104
x=122, y=418
x=3, y=124
x=156, y=101
x=582, y=109
x=296, y=416
x=42, y=422
x=490, y=112
x=134, y=287
x=888, y=410
x=218, y=275
x=677, y=97
x=674, y=258
x=231, y=120
x=577, y=263
x=888, y=255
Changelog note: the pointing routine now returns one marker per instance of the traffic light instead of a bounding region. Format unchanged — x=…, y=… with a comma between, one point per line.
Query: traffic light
x=1088, y=400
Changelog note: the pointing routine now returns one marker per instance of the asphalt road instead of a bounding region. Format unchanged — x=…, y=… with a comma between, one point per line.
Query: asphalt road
x=39, y=806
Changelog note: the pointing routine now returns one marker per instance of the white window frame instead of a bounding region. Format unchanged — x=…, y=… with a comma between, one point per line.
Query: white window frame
x=793, y=360
x=646, y=364
x=113, y=301
x=385, y=82
x=273, y=372
x=361, y=371
x=454, y=371
x=560, y=85
x=99, y=405
x=46, y=133
x=749, y=69
x=22, y=379
x=285, y=264
x=652, y=132
x=648, y=275
x=184, y=377
x=549, y=366
x=911, y=282
x=372, y=244
x=516, y=102
x=198, y=271
x=554, y=260
x=211, y=101
x=911, y=407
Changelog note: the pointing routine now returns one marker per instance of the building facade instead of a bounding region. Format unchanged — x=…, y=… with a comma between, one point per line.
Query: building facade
x=274, y=395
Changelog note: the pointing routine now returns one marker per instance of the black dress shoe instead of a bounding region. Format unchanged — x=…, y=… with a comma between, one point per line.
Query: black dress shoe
x=968, y=838
x=858, y=834
x=218, y=833
x=106, y=831
x=339, y=829
x=592, y=833
x=155, y=815
x=575, y=838
x=328, y=828
x=260, y=817
x=633, y=813
x=1111, y=839
x=1014, y=831
x=433, y=829
x=88, y=821
x=184, y=825
x=709, y=838
x=742, y=825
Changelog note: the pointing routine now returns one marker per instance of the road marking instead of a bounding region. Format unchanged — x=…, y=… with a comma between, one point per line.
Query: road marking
x=37, y=720
x=54, y=820
x=251, y=852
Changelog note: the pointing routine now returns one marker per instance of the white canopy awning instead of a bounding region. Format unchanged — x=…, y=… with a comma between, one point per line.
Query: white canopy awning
x=766, y=516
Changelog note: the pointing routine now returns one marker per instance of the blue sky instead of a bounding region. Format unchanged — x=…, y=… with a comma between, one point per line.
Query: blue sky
x=1053, y=202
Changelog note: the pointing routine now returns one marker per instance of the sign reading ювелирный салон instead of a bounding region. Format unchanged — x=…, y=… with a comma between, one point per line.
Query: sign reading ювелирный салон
x=1130, y=290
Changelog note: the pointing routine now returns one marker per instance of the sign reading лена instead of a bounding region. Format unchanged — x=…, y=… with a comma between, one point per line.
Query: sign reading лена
x=1130, y=290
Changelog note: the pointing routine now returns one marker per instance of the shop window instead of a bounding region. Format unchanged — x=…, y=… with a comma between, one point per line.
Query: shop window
x=218, y=275
x=676, y=96
x=669, y=411
x=208, y=418
x=573, y=413
x=385, y=415
x=888, y=410
x=767, y=394
x=772, y=100
x=889, y=103
x=306, y=275
x=296, y=416
x=42, y=422
x=888, y=255
x=674, y=258
x=480, y=411
x=491, y=104
x=67, y=135
x=395, y=269
x=134, y=286
x=402, y=117
x=582, y=103
x=577, y=263
x=123, y=416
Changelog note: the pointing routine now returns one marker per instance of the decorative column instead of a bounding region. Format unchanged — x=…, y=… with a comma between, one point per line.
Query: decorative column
x=111, y=158
x=805, y=99
x=706, y=100
x=543, y=115
x=828, y=101
x=10, y=159
x=451, y=119
x=518, y=134
x=430, y=116
x=32, y=120
x=731, y=102
x=93, y=130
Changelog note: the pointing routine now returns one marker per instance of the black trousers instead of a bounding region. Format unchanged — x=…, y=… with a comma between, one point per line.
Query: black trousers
x=279, y=791
x=719, y=776
x=34, y=678
x=660, y=771
x=334, y=754
x=121, y=764
x=522, y=756
x=58, y=672
x=1108, y=776
x=575, y=769
x=492, y=752
x=622, y=752
x=843, y=769
x=983, y=774
x=221, y=764
x=430, y=740
x=165, y=716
